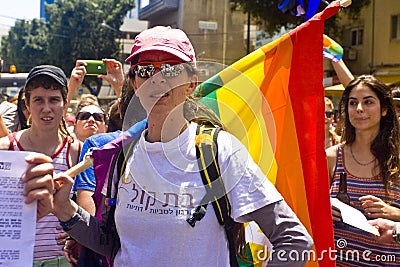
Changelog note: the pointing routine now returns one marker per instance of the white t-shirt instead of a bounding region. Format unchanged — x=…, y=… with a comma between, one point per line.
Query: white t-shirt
x=161, y=190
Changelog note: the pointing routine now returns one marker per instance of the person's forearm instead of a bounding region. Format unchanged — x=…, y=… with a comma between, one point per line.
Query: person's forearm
x=67, y=212
x=72, y=87
x=3, y=129
x=117, y=89
x=344, y=74
x=395, y=214
x=88, y=231
x=85, y=200
x=389, y=230
x=285, y=232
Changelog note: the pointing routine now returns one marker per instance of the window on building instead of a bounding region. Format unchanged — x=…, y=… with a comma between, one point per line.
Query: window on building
x=353, y=37
x=395, y=27
x=357, y=37
x=144, y=3
x=360, y=37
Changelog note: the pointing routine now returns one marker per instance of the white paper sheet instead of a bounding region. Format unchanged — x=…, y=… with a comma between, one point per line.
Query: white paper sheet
x=17, y=219
x=354, y=217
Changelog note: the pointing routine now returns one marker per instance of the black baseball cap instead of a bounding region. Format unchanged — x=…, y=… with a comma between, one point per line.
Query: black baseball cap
x=48, y=70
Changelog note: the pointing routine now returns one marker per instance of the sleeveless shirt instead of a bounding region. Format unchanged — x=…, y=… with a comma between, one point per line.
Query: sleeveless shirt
x=355, y=247
x=45, y=243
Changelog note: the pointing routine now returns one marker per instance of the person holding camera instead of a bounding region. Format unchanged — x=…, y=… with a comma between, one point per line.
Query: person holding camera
x=114, y=76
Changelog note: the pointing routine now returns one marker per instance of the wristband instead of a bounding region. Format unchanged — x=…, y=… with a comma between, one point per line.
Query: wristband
x=396, y=233
x=68, y=224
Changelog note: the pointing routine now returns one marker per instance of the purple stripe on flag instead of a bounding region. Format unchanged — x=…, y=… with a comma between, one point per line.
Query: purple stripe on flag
x=103, y=156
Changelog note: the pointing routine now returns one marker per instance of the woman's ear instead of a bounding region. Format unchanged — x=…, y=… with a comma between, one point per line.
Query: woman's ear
x=133, y=81
x=384, y=112
x=192, y=84
x=66, y=107
x=28, y=106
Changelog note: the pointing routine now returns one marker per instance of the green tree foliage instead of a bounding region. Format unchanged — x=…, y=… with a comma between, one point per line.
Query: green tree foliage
x=74, y=31
x=266, y=13
x=25, y=45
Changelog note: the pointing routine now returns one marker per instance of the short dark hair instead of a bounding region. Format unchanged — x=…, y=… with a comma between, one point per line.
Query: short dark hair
x=47, y=83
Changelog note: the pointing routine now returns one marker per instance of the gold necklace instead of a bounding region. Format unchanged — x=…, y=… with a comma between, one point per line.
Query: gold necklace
x=360, y=163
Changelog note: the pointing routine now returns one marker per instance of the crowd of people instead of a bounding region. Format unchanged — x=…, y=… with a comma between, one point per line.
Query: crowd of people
x=362, y=140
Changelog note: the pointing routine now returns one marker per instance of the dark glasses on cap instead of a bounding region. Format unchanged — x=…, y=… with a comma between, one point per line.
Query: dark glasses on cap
x=167, y=68
x=328, y=113
x=86, y=115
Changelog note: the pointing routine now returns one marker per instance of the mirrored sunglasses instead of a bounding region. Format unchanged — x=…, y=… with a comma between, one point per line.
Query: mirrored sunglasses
x=328, y=113
x=86, y=115
x=167, y=68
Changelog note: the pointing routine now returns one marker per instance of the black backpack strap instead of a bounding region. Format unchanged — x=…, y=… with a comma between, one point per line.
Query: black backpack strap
x=207, y=158
x=207, y=155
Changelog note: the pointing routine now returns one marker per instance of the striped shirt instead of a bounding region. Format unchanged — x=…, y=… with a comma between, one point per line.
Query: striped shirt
x=45, y=243
x=355, y=247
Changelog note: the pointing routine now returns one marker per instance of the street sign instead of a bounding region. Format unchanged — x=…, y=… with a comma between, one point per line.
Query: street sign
x=208, y=25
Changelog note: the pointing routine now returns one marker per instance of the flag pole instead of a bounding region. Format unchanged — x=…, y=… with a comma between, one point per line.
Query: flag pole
x=80, y=167
x=345, y=3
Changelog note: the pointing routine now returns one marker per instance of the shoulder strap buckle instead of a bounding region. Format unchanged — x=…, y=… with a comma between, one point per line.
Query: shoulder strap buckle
x=199, y=213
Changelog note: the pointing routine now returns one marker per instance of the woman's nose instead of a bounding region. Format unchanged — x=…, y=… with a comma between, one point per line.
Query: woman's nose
x=359, y=107
x=157, y=78
x=91, y=118
x=46, y=105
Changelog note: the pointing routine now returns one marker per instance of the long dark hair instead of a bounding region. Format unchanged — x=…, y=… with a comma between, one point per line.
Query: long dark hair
x=385, y=146
x=23, y=122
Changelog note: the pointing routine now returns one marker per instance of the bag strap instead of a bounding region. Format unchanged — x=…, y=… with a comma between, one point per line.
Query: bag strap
x=207, y=158
x=207, y=155
x=118, y=163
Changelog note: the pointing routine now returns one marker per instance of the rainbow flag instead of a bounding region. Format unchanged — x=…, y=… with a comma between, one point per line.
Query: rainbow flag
x=331, y=49
x=273, y=101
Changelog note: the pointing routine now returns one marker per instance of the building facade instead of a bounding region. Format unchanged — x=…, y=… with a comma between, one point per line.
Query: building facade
x=217, y=33
x=372, y=42
x=42, y=8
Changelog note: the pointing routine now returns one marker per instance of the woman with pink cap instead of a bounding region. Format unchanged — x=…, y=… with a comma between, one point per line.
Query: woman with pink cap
x=162, y=186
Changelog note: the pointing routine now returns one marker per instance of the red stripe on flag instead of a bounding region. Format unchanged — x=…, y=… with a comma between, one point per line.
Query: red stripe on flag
x=307, y=97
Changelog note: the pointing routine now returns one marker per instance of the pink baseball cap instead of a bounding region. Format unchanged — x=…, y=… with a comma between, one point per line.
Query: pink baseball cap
x=70, y=118
x=164, y=38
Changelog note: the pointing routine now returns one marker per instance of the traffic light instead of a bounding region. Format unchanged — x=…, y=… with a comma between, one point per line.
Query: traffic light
x=13, y=69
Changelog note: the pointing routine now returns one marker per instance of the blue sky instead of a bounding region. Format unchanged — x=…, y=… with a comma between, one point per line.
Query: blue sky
x=21, y=9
